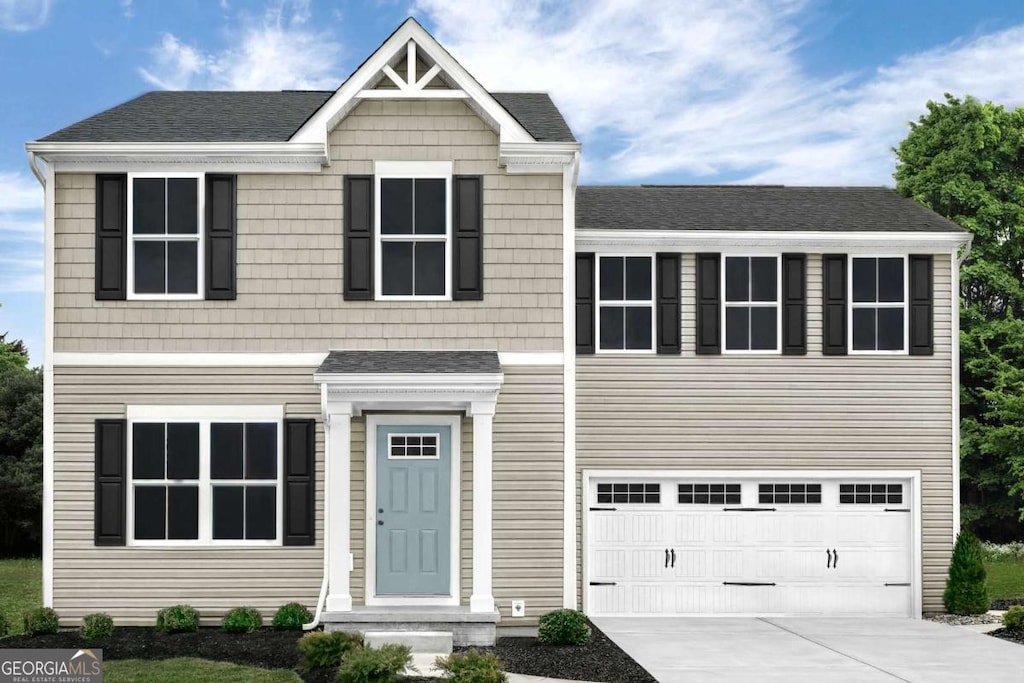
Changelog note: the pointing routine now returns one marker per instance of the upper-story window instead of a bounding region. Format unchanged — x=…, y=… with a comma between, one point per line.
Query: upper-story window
x=165, y=227
x=751, y=306
x=878, y=305
x=625, y=303
x=414, y=212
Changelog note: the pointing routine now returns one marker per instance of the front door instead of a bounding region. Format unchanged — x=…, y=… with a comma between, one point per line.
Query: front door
x=413, y=510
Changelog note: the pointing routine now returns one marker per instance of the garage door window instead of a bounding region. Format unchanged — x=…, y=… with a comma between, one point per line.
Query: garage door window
x=789, y=494
x=709, y=494
x=871, y=494
x=622, y=492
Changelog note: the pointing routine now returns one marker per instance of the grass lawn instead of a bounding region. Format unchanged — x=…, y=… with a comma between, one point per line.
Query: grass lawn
x=1005, y=579
x=21, y=588
x=187, y=670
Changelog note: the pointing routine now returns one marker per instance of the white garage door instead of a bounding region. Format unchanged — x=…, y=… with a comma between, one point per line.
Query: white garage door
x=658, y=546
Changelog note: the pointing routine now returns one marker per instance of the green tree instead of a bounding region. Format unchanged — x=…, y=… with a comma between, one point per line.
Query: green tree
x=964, y=160
x=965, y=590
x=21, y=451
x=13, y=354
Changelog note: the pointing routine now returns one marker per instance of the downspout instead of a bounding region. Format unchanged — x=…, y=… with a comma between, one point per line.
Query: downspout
x=327, y=518
x=955, y=371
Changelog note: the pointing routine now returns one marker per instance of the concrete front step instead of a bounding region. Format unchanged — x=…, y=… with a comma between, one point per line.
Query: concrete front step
x=417, y=641
x=467, y=628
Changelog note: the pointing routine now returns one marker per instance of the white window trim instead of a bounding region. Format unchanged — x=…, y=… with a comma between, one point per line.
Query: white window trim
x=777, y=304
x=414, y=170
x=204, y=415
x=437, y=447
x=634, y=303
x=200, y=238
x=885, y=304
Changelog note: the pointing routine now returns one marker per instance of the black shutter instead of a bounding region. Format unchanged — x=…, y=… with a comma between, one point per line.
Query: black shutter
x=833, y=333
x=468, y=242
x=110, y=509
x=794, y=304
x=358, y=243
x=921, y=306
x=220, y=236
x=709, y=303
x=299, y=487
x=668, y=301
x=111, y=237
x=585, y=303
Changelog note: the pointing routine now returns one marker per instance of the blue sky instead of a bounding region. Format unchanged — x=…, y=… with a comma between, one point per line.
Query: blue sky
x=702, y=91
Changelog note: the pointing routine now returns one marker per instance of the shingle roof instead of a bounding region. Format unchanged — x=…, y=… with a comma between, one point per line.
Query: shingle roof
x=198, y=116
x=537, y=113
x=411, y=362
x=738, y=207
x=234, y=116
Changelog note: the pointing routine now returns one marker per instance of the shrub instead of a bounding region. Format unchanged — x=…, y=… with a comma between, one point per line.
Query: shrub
x=564, y=627
x=5, y=626
x=965, y=589
x=472, y=666
x=242, y=620
x=1000, y=552
x=369, y=665
x=40, y=621
x=1014, y=618
x=97, y=626
x=177, y=619
x=291, y=617
x=321, y=648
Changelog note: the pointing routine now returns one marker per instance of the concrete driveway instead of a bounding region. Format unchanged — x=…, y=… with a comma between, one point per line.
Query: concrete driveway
x=821, y=650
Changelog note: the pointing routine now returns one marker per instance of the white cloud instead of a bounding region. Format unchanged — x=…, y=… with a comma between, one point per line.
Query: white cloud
x=21, y=233
x=274, y=51
x=127, y=9
x=23, y=15
x=714, y=88
x=19, y=192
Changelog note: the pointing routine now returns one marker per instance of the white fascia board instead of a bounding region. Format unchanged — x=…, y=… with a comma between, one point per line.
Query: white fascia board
x=338, y=382
x=211, y=156
x=804, y=241
x=343, y=100
x=538, y=157
x=186, y=359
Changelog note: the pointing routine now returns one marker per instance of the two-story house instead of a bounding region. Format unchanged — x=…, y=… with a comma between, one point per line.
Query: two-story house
x=374, y=350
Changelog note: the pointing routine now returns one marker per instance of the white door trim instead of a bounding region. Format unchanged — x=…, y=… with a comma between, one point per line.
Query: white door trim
x=372, y=422
x=913, y=476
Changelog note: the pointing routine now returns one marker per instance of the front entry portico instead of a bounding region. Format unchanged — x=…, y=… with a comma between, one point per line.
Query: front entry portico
x=414, y=403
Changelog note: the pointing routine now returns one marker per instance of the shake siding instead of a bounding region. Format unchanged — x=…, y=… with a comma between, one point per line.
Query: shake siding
x=781, y=412
x=132, y=583
x=290, y=256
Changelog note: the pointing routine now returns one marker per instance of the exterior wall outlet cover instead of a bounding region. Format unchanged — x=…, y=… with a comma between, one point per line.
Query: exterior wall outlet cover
x=518, y=608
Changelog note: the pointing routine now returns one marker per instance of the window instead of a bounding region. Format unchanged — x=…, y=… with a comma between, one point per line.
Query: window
x=709, y=494
x=625, y=304
x=751, y=307
x=870, y=494
x=209, y=479
x=878, y=308
x=166, y=246
x=621, y=492
x=414, y=230
x=768, y=494
x=413, y=446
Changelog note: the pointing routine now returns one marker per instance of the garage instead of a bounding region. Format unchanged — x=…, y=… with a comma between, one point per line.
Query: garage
x=839, y=544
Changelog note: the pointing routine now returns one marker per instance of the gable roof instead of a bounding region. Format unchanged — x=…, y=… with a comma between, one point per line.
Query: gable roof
x=252, y=116
x=440, y=362
x=753, y=208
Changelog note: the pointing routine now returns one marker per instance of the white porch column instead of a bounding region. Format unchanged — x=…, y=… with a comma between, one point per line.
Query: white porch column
x=482, y=599
x=338, y=491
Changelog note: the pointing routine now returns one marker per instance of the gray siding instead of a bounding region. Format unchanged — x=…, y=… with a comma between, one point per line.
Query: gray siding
x=778, y=412
x=290, y=256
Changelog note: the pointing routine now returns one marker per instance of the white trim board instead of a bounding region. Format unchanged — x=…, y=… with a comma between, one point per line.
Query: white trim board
x=454, y=422
x=270, y=359
x=632, y=241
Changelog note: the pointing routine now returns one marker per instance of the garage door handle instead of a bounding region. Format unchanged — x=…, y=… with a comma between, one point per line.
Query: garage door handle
x=835, y=558
x=828, y=562
x=603, y=509
x=897, y=584
x=673, y=557
x=748, y=509
x=603, y=583
x=666, y=558
x=746, y=583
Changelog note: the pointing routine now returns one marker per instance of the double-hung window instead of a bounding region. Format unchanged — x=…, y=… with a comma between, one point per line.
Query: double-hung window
x=751, y=306
x=165, y=228
x=878, y=305
x=414, y=230
x=209, y=476
x=625, y=303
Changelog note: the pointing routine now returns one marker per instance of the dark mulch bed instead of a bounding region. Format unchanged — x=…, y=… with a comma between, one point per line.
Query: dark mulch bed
x=601, y=660
x=1007, y=603
x=1015, y=636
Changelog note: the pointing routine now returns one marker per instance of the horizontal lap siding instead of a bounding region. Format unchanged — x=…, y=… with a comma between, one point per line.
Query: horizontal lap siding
x=290, y=257
x=779, y=412
x=132, y=583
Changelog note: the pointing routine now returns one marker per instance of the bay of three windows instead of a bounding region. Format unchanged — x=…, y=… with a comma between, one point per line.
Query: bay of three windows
x=751, y=305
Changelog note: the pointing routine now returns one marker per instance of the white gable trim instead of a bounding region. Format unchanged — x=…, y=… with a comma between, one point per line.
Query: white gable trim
x=315, y=130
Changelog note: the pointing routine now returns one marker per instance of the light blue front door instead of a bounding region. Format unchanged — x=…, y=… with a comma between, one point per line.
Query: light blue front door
x=413, y=510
